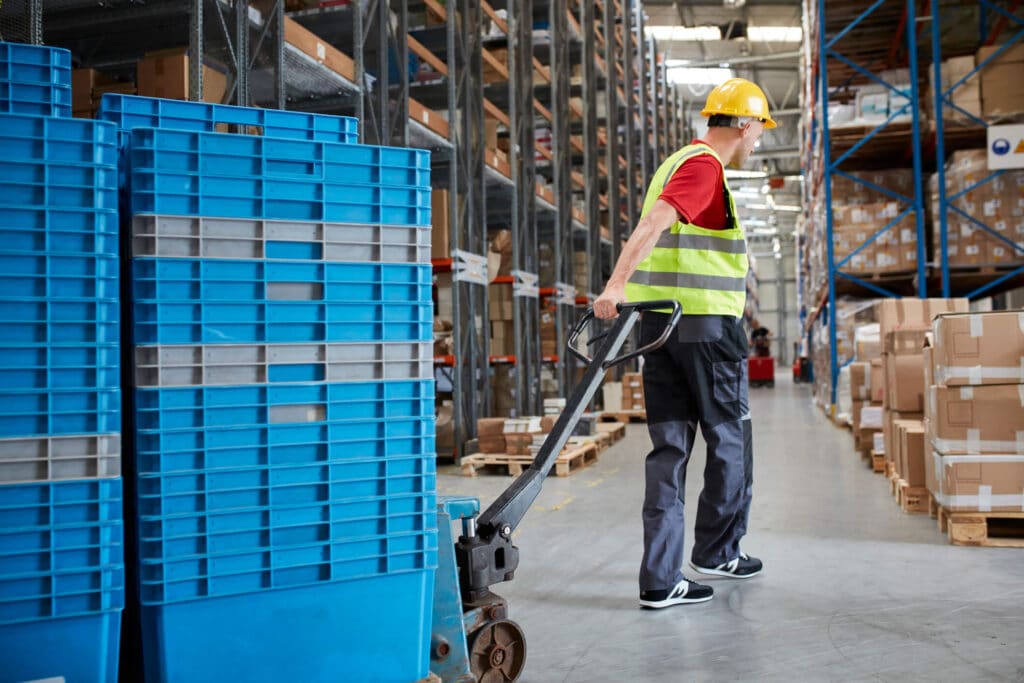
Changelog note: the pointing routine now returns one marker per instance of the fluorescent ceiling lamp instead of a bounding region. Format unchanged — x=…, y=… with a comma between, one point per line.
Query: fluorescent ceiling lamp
x=707, y=34
x=684, y=33
x=775, y=34
x=687, y=76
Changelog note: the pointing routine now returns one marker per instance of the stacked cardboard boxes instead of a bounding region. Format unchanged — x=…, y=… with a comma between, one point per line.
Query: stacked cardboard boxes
x=633, y=391
x=1001, y=92
x=548, y=332
x=975, y=412
x=966, y=97
x=500, y=311
x=997, y=203
x=580, y=273
x=903, y=324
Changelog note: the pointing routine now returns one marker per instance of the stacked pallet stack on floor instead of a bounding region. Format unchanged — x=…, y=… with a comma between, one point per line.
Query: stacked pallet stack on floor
x=61, y=539
x=282, y=400
x=975, y=421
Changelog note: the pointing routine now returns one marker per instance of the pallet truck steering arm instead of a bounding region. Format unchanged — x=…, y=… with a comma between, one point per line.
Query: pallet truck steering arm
x=485, y=554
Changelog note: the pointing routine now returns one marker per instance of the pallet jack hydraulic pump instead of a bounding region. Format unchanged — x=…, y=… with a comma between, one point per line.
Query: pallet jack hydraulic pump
x=472, y=639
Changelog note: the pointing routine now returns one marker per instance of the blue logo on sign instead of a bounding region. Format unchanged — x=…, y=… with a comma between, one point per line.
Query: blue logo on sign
x=1001, y=146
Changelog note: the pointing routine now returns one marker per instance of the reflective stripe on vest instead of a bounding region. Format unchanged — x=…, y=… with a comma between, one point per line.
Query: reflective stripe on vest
x=704, y=270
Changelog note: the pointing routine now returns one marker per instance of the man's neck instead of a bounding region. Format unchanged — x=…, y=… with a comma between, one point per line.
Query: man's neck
x=724, y=141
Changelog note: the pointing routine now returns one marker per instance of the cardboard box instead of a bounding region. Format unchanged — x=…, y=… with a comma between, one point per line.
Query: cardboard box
x=82, y=83
x=976, y=420
x=877, y=381
x=166, y=74
x=860, y=381
x=855, y=415
x=440, y=230
x=890, y=434
x=978, y=348
x=896, y=313
x=502, y=338
x=500, y=301
x=912, y=452
x=978, y=483
x=613, y=397
x=904, y=381
x=1001, y=91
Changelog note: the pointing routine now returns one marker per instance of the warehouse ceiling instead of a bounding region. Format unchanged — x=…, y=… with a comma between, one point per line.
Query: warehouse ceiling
x=705, y=42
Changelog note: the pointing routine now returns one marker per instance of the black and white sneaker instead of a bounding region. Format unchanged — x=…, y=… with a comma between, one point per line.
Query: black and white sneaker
x=684, y=593
x=743, y=567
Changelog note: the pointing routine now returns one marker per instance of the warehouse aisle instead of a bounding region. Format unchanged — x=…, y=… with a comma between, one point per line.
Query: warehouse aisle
x=853, y=589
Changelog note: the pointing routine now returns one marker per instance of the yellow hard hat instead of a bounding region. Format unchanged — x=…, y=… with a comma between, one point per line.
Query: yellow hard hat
x=739, y=97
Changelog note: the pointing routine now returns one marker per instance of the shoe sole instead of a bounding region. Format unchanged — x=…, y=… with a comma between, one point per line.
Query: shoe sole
x=661, y=604
x=722, y=572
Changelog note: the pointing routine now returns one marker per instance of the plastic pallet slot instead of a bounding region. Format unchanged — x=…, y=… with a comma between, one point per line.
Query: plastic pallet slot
x=227, y=238
x=221, y=365
x=27, y=229
x=277, y=199
x=171, y=408
x=58, y=504
x=18, y=59
x=277, y=488
x=204, y=152
x=297, y=568
x=196, y=450
x=59, y=276
x=59, y=412
x=381, y=645
x=76, y=594
x=131, y=111
x=55, y=139
x=85, y=321
x=60, y=458
x=33, y=99
x=60, y=174
x=45, y=366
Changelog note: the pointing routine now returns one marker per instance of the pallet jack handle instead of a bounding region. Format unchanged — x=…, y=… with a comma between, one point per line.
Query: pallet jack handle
x=485, y=554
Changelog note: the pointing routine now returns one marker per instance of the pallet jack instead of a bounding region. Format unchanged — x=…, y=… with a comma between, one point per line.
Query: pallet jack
x=472, y=639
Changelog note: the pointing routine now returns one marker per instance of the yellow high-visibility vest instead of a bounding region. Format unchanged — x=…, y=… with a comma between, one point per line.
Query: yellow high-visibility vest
x=704, y=270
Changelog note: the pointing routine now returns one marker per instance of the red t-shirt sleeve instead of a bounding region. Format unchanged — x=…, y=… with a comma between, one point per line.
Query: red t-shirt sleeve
x=695, y=191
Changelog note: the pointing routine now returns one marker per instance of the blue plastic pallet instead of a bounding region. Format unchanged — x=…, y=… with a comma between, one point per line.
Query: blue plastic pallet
x=99, y=192
x=82, y=649
x=280, y=403
x=235, y=447
x=57, y=230
x=128, y=112
x=68, y=321
x=29, y=275
x=46, y=366
x=35, y=64
x=231, y=176
x=302, y=634
x=35, y=99
x=50, y=139
x=61, y=549
x=52, y=412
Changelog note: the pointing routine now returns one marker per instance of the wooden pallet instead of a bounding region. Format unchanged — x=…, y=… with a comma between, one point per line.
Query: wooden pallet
x=625, y=416
x=894, y=481
x=877, y=462
x=988, y=529
x=568, y=462
x=913, y=500
x=615, y=430
x=601, y=440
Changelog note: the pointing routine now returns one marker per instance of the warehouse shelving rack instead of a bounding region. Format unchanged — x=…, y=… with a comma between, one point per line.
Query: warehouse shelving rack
x=837, y=49
x=269, y=67
x=973, y=134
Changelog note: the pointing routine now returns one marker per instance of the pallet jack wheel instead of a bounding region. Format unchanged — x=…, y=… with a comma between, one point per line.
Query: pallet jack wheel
x=497, y=652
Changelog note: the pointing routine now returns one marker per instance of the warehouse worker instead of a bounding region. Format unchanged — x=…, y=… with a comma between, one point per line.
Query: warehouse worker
x=689, y=246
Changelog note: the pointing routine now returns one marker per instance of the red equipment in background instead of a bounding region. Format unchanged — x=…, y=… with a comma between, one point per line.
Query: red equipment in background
x=761, y=364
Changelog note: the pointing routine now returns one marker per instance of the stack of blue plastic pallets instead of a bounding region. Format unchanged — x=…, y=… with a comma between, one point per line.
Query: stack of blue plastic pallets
x=61, y=540
x=283, y=395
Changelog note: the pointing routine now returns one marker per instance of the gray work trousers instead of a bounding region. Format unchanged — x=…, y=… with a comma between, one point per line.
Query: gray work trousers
x=698, y=378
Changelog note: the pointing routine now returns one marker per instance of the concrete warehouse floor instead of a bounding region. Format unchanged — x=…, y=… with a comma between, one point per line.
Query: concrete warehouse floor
x=853, y=589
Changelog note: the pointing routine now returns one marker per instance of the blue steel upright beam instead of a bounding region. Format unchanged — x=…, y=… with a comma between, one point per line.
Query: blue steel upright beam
x=827, y=50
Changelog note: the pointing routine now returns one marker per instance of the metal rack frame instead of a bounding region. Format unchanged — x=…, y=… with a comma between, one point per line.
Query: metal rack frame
x=943, y=102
